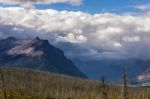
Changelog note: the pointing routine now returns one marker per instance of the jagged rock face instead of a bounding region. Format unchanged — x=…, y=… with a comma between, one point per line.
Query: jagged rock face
x=35, y=54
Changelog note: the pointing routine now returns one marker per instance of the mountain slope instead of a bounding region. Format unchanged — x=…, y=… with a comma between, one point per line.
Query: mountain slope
x=35, y=54
x=144, y=78
x=113, y=69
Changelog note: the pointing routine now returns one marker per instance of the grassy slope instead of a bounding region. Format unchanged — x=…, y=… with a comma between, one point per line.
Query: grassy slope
x=27, y=84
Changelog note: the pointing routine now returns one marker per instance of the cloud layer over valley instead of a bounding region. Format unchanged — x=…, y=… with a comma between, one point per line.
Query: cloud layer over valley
x=98, y=36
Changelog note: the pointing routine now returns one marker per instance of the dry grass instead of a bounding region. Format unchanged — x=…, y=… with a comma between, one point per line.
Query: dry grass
x=27, y=84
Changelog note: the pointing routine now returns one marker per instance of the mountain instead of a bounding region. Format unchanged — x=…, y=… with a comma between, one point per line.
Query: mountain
x=36, y=54
x=113, y=69
x=144, y=78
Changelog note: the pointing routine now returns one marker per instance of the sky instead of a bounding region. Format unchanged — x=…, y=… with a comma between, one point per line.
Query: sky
x=84, y=29
x=88, y=6
x=95, y=6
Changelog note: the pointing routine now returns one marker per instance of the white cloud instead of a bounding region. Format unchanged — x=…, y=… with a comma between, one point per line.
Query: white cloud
x=72, y=2
x=131, y=39
x=143, y=7
x=72, y=38
x=104, y=35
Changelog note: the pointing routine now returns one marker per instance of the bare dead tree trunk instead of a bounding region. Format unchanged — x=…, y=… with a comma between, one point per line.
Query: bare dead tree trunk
x=3, y=84
x=125, y=85
x=104, y=88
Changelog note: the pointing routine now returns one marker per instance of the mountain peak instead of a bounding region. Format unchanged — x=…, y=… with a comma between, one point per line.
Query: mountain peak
x=37, y=38
x=36, y=54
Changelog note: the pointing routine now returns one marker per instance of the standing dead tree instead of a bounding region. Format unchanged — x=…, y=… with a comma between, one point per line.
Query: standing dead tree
x=104, y=88
x=3, y=84
x=125, y=85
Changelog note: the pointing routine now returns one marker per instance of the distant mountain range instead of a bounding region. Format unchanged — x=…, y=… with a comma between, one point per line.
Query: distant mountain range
x=39, y=54
x=113, y=69
x=36, y=54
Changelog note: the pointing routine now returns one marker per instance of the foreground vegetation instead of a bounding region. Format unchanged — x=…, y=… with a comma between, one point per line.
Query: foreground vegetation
x=27, y=84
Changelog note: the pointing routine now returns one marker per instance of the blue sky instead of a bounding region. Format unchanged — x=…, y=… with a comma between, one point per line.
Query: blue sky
x=97, y=6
